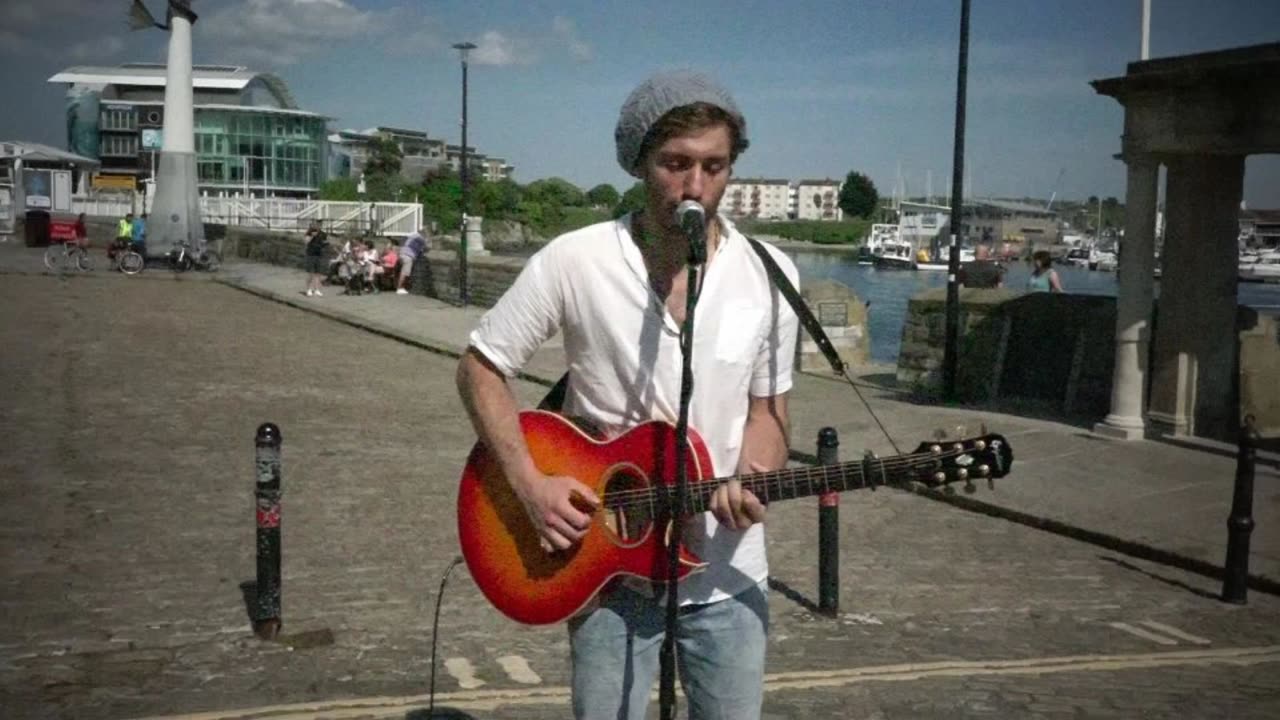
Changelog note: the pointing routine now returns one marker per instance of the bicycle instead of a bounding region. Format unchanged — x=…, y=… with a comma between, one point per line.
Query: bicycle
x=181, y=259
x=126, y=258
x=63, y=256
x=130, y=262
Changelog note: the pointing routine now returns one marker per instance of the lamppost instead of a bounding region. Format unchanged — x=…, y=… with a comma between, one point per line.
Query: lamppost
x=463, y=48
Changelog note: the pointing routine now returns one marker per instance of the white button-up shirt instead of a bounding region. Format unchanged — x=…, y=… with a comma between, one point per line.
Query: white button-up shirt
x=624, y=358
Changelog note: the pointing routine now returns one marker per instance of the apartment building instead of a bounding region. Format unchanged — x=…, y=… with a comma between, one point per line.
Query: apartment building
x=763, y=198
x=817, y=200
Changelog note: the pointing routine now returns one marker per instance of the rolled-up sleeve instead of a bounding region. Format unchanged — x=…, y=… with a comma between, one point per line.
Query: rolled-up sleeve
x=527, y=315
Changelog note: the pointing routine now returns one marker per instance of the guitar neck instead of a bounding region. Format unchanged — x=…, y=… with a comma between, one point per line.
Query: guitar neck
x=793, y=483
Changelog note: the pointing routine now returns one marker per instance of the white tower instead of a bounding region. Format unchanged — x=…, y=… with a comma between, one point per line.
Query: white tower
x=175, y=212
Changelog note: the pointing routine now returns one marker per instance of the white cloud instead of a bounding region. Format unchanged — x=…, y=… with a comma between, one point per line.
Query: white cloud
x=39, y=26
x=284, y=32
x=567, y=32
x=496, y=48
x=96, y=50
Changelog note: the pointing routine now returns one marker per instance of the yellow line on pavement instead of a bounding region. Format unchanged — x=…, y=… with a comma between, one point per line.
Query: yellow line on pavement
x=397, y=707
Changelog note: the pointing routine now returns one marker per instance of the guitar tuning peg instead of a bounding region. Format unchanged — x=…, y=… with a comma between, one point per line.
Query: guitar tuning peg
x=961, y=432
x=939, y=434
x=982, y=429
x=991, y=483
x=948, y=490
x=969, y=487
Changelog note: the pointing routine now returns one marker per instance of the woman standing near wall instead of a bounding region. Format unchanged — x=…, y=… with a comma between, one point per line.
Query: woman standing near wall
x=1043, y=277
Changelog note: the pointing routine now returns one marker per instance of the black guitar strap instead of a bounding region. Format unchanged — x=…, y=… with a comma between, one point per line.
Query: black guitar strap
x=554, y=400
x=797, y=304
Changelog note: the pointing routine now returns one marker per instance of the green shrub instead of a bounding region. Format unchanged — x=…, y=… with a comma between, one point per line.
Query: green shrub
x=844, y=232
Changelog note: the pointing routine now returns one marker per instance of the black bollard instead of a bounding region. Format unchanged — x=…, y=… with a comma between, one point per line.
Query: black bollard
x=266, y=611
x=1235, y=586
x=828, y=529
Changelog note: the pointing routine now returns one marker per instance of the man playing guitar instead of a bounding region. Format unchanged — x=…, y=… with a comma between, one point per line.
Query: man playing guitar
x=617, y=292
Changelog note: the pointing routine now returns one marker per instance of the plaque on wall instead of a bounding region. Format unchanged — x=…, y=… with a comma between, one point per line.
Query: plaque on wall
x=833, y=314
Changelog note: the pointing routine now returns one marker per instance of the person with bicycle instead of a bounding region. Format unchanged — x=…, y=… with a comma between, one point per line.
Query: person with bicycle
x=138, y=235
x=124, y=236
x=82, y=232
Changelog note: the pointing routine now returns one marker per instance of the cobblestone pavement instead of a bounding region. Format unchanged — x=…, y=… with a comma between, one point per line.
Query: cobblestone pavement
x=126, y=521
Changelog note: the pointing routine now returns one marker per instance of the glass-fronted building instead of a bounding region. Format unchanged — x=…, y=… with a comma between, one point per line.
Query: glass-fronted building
x=251, y=137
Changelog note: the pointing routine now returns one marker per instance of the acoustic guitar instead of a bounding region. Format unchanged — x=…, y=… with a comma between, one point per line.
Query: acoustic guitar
x=633, y=475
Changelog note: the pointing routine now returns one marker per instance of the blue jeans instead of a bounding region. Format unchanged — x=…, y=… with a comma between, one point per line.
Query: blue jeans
x=720, y=651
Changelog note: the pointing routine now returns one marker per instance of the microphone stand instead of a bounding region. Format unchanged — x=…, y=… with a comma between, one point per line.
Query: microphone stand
x=676, y=507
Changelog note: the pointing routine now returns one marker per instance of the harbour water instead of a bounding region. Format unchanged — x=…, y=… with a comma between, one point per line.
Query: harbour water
x=889, y=290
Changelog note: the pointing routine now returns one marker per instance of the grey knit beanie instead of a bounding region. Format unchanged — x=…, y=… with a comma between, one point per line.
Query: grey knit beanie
x=659, y=95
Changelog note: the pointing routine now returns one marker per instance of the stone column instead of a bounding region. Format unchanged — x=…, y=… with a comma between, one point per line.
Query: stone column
x=475, y=238
x=1133, y=302
x=175, y=210
x=1194, y=355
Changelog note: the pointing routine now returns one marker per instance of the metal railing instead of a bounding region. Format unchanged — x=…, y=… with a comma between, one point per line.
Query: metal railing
x=344, y=218
x=347, y=218
x=104, y=206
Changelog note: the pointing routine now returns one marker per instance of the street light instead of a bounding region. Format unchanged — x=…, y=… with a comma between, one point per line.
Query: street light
x=463, y=49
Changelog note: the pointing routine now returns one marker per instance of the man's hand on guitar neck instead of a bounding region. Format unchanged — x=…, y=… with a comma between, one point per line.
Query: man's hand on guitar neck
x=559, y=507
x=735, y=507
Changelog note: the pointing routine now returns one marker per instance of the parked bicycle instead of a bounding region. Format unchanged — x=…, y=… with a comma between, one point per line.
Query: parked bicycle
x=182, y=258
x=62, y=257
x=126, y=257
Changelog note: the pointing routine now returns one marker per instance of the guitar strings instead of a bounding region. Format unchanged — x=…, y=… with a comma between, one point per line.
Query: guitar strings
x=650, y=494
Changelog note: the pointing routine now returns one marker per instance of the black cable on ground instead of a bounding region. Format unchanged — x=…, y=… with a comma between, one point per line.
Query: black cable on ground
x=435, y=627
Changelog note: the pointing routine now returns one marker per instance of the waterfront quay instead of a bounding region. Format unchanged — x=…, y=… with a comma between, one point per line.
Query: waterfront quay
x=128, y=528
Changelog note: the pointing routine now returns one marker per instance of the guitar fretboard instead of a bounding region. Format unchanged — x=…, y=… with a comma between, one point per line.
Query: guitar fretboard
x=786, y=484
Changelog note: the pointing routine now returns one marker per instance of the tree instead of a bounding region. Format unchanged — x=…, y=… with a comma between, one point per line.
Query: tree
x=603, y=195
x=342, y=188
x=496, y=199
x=556, y=192
x=442, y=200
x=632, y=200
x=858, y=197
x=384, y=158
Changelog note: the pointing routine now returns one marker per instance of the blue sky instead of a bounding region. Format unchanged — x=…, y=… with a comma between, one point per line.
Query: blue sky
x=826, y=86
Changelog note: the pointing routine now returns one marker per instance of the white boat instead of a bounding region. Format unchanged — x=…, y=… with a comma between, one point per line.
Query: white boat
x=1077, y=257
x=896, y=254
x=880, y=234
x=1102, y=259
x=966, y=255
x=1266, y=267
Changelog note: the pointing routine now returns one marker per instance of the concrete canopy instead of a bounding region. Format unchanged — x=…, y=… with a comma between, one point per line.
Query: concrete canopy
x=1218, y=103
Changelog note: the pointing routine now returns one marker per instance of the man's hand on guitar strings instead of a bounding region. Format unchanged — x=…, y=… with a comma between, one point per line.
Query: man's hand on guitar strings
x=735, y=507
x=560, y=509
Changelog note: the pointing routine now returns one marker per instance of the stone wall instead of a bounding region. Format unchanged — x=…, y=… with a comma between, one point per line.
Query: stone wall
x=843, y=317
x=490, y=276
x=1054, y=350
x=1058, y=351
x=1260, y=372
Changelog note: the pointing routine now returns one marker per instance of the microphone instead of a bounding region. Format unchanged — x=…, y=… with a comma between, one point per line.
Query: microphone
x=692, y=219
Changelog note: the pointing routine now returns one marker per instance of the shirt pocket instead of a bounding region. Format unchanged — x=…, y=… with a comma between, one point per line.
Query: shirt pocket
x=738, y=337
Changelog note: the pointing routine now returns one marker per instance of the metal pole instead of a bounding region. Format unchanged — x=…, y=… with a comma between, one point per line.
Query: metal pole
x=828, y=529
x=951, y=351
x=266, y=611
x=463, y=290
x=1146, y=29
x=1235, y=585
x=950, y=355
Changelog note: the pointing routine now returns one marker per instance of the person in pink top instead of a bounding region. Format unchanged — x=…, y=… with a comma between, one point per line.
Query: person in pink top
x=390, y=256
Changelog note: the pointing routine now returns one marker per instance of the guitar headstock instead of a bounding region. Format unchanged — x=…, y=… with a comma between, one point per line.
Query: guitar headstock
x=941, y=463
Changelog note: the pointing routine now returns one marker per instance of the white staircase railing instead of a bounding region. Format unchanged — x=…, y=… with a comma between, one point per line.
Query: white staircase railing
x=335, y=216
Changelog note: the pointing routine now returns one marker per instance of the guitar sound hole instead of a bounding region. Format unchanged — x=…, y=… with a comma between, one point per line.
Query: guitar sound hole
x=629, y=514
